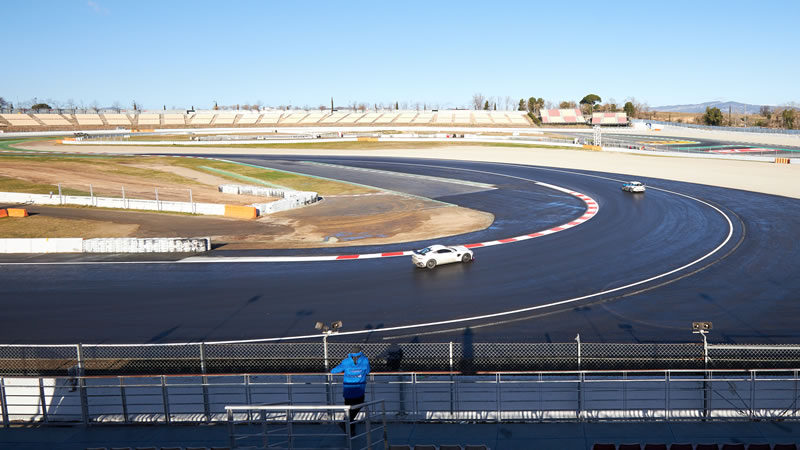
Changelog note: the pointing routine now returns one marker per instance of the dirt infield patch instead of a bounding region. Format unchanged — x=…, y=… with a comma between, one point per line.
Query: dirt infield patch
x=335, y=222
x=43, y=225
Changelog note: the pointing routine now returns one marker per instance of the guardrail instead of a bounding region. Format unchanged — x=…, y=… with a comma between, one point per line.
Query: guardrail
x=282, y=426
x=310, y=357
x=572, y=396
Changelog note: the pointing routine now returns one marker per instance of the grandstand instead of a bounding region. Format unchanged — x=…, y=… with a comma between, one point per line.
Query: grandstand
x=55, y=120
x=174, y=119
x=117, y=119
x=225, y=118
x=462, y=117
x=386, y=118
x=612, y=118
x=368, y=118
x=499, y=118
x=333, y=118
x=561, y=116
x=89, y=119
x=314, y=117
x=149, y=119
x=271, y=118
x=351, y=118
x=249, y=118
x=156, y=119
x=202, y=118
x=443, y=117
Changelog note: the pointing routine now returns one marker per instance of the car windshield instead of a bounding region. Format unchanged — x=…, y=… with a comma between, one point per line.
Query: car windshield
x=423, y=251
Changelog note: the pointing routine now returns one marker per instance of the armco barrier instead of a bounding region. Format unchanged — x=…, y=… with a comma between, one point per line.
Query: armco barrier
x=241, y=212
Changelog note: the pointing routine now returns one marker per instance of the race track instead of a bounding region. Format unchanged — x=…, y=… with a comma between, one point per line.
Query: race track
x=746, y=284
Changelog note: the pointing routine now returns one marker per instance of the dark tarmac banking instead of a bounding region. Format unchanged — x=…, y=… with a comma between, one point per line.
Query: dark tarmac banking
x=748, y=288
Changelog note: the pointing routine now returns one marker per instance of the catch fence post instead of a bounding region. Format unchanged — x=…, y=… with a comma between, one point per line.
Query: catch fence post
x=4, y=402
x=451, y=356
x=204, y=378
x=82, y=385
x=158, y=205
x=123, y=398
x=60, y=198
x=43, y=400
x=123, y=197
x=91, y=195
x=165, y=397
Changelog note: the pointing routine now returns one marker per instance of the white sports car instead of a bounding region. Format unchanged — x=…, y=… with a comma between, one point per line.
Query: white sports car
x=633, y=186
x=431, y=256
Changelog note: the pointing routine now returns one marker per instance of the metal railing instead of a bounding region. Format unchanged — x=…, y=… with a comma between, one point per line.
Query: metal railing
x=307, y=427
x=572, y=396
x=313, y=357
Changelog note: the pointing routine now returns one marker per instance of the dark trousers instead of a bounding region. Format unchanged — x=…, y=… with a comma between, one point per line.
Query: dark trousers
x=353, y=411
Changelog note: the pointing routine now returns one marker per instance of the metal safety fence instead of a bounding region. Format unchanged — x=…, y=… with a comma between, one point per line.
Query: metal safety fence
x=570, y=396
x=315, y=357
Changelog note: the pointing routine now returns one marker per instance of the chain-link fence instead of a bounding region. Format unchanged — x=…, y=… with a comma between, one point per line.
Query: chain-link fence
x=309, y=357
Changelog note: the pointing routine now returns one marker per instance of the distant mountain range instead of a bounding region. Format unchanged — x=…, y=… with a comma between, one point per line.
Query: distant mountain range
x=736, y=107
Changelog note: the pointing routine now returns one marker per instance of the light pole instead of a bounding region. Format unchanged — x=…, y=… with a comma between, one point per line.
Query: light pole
x=702, y=328
x=327, y=330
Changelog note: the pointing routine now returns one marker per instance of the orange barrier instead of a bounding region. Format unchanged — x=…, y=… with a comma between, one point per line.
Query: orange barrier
x=3, y=213
x=241, y=212
x=17, y=212
x=782, y=161
x=367, y=139
x=596, y=148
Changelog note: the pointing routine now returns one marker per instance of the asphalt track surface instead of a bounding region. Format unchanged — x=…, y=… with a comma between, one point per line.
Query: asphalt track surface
x=748, y=288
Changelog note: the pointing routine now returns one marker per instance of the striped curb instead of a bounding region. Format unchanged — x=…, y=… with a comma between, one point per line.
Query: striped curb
x=591, y=210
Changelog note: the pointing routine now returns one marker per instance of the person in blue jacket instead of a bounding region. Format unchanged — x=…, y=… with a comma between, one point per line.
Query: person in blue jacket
x=355, y=368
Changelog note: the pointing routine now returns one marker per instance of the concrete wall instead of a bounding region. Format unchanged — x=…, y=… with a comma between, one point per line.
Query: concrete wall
x=211, y=209
x=288, y=199
x=105, y=245
x=42, y=245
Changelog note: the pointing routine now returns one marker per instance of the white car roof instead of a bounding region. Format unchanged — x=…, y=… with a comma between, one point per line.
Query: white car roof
x=634, y=182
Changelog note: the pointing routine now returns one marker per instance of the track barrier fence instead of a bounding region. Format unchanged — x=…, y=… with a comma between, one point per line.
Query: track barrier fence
x=310, y=357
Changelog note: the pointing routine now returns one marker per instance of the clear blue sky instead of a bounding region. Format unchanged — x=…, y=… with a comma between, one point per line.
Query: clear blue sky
x=182, y=53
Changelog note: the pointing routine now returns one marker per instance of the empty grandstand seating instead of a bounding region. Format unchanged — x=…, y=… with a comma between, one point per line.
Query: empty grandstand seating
x=89, y=119
x=387, y=117
x=499, y=118
x=368, y=118
x=117, y=119
x=562, y=116
x=149, y=119
x=270, y=117
x=444, y=117
x=293, y=118
x=202, y=118
x=519, y=118
x=333, y=118
x=351, y=118
x=20, y=120
x=174, y=119
x=465, y=117
x=423, y=117
x=225, y=118
x=52, y=119
x=314, y=117
x=613, y=118
x=249, y=118
x=406, y=117
x=484, y=117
